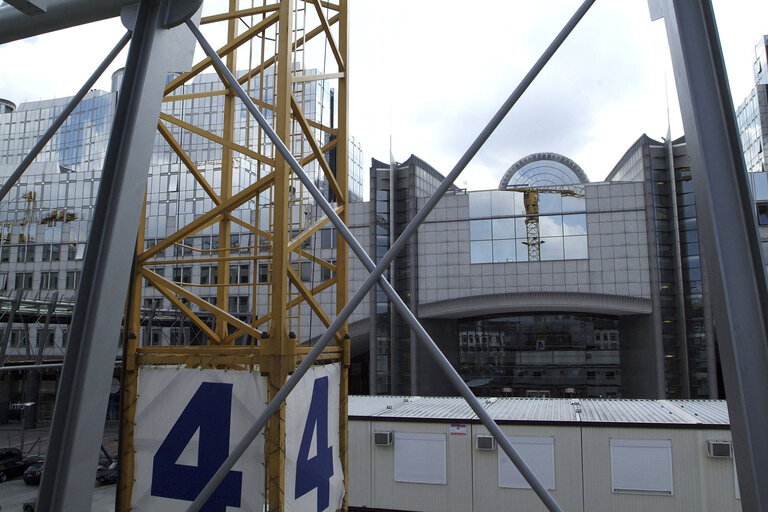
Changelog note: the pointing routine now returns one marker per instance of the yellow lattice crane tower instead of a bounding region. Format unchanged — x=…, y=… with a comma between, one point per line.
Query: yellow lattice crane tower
x=264, y=49
x=531, y=203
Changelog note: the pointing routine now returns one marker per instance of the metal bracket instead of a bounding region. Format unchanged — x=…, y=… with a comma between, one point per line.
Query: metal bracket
x=179, y=11
x=29, y=7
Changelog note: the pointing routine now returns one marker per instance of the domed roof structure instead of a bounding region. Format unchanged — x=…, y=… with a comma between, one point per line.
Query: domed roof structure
x=543, y=170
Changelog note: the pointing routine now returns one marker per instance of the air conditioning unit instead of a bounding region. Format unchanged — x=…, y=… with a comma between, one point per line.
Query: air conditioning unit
x=719, y=449
x=487, y=443
x=382, y=438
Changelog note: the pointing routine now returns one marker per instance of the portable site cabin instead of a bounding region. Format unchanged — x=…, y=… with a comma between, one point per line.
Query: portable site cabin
x=433, y=454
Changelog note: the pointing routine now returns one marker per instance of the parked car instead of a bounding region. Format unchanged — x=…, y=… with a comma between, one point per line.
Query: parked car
x=108, y=474
x=29, y=506
x=32, y=474
x=12, y=463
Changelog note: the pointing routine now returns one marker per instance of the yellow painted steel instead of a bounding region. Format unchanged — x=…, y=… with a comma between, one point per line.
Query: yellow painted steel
x=264, y=49
x=342, y=285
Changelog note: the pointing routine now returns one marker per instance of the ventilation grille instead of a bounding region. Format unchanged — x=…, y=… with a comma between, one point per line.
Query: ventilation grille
x=382, y=438
x=487, y=443
x=719, y=449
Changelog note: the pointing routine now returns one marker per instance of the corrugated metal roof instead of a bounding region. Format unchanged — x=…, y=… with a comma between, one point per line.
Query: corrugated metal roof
x=711, y=412
x=545, y=410
x=431, y=408
x=629, y=411
x=374, y=405
x=532, y=409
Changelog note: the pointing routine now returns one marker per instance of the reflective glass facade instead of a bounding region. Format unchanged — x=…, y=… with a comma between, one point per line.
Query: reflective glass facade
x=543, y=355
x=383, y=309
x=752, y=114
x=45, y=219
x=683, y=319
x=502, y=231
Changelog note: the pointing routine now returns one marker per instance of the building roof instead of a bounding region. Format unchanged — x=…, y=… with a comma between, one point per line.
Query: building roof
x=508, y=410
x=543, y=170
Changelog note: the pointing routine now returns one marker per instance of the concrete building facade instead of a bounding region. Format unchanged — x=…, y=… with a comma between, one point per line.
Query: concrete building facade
x=611, y=302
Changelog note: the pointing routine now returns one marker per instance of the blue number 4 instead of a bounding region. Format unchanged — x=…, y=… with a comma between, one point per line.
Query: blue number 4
x=209, y=411
x=316, y=473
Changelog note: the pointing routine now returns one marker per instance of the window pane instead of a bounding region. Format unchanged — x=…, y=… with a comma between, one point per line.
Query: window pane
x=504, y=251
x=575, y=224
x=762, y=214
x=761, y=186
x=550, y=203
x=481, y=252
x=480, y=230
x=479, y=204
x=420, y=458
x=551, y=248
x=550, y=225
x=538, y=453
x=641, y=466
x=573, y=204
x=522, y=249
x=503, y=228
x=502, y=203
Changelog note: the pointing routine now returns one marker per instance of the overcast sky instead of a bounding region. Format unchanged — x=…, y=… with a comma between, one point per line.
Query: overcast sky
x=431, y=73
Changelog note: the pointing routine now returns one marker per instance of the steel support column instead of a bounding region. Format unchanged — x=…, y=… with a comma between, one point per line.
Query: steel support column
x=46, y=326
x=278, y=351
x=342, y=254
x=33, y=377
x=728, y=232
x=81, y=405
x=9, y=325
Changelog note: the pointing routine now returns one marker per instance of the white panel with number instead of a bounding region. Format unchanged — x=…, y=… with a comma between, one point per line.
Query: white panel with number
x=313, y=478
x=187, y=422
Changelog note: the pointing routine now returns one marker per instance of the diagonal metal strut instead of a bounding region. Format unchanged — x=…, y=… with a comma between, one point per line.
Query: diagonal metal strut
x=377, y=271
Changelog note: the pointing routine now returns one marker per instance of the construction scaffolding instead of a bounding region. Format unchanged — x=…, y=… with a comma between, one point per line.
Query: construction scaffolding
x=268, y=47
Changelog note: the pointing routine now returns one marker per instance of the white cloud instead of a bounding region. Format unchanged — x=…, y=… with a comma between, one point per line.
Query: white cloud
x=432, y=73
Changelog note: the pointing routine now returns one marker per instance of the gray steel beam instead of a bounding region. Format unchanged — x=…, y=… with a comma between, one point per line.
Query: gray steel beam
x=46, y=326
x=9, y=325
x=81, y=404
x=73, y=103
x=60, y=14
x=378, y=270
x=682, y=330
x=728, y=230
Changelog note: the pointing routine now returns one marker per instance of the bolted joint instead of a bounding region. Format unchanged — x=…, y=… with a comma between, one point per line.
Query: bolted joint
x=179, y=11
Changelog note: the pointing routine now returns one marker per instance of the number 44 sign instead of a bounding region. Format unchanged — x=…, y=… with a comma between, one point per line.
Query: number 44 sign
x=187, y=422
x=313, y=478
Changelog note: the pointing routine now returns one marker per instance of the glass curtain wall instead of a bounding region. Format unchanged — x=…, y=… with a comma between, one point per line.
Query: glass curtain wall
x=502, y=229
x=546, y=355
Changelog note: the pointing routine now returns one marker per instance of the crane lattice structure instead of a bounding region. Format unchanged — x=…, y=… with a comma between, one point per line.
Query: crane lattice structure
x=265, y=50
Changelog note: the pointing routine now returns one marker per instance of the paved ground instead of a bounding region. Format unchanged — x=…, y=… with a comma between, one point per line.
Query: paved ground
x=14, y=493
x=36, y=440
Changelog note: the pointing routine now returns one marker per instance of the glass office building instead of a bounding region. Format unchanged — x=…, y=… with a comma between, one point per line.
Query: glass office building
x=752, y=114
x=549, y=286
x=46, y=217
